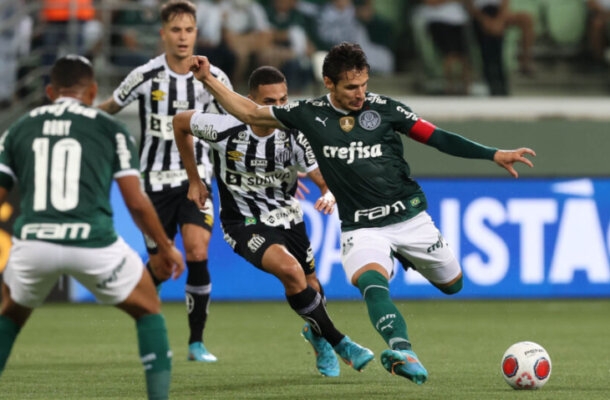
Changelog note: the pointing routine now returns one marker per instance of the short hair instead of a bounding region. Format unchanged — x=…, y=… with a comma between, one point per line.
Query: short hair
x=344, y=57
x=71, y=70
x=176, y=7
x=265, y=75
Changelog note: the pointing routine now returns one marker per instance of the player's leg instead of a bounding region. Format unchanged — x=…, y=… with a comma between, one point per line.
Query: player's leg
x=309, y=305
x=12, y=319
x=196, y=228
x=143, y=305
x=265, y=248
x=29, y=276
x=116, y=276
x=166, y=205
x=368, y=264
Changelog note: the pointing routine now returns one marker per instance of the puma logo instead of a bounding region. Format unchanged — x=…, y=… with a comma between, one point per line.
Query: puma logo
x=322, y=121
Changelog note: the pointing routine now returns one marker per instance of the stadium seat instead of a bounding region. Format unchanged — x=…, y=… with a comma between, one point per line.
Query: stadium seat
x=566, y=21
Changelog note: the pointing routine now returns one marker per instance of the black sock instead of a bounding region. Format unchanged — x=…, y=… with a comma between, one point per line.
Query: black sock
x=198, y=288
x=156, y=281
x=309, y=305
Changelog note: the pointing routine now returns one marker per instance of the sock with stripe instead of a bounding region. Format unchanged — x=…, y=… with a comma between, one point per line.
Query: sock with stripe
x=198, y=289
x=310, y=306
x=155, y=355
x=385, y=317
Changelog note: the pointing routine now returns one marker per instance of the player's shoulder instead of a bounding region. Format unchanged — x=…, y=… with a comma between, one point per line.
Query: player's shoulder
x=220, y=75
x=385, y=103
x=215, y=127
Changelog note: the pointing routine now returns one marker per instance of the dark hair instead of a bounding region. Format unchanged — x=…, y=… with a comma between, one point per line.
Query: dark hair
x=344, y=57
x=71, y=70
x=265, y=75
x=176, y=7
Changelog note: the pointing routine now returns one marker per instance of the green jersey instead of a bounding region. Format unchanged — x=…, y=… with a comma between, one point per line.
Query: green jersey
x=65, y=156
x=360, y=155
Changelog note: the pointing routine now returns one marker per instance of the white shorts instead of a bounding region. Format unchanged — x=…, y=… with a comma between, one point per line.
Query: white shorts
x=110, y=273
x=417, y=239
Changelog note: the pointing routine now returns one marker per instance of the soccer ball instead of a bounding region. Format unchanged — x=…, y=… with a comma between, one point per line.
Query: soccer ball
x=526, y=365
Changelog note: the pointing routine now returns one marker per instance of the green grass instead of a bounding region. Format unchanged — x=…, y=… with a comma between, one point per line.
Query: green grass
x=89, y=352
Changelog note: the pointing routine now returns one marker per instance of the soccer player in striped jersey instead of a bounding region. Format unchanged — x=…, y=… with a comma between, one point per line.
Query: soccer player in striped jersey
x=356, y=137
x=65, y=156
x=262, y=220
x=164, y=87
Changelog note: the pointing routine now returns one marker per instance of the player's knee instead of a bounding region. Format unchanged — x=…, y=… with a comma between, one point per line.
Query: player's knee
x=453, y=287
x=199, y=253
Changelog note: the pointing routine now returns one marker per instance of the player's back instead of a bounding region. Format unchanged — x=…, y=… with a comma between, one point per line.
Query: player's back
x=65, y=156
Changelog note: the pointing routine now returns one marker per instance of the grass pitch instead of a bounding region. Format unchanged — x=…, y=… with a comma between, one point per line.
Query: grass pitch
x=89, y=352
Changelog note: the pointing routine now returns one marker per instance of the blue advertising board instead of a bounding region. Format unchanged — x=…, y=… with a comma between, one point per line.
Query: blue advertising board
x=525, y=238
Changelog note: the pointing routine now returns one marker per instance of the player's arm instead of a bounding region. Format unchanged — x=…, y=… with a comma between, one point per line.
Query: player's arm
x=146, y=218
x=326, y=202
x=241, y=107
x=183, y=136
x=110, y=106
x=459, y=146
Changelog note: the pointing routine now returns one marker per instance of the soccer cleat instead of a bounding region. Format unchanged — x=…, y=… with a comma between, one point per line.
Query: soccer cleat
x=353, y=354
x=404, y=363
x=198, y=352
x=326, y=360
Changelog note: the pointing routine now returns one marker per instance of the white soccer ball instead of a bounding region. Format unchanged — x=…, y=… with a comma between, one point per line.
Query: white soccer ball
x=526, y=365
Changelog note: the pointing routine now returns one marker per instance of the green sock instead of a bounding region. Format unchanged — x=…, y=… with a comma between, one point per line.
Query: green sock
x=8, y=333
x=155, y=355
x=384, y=315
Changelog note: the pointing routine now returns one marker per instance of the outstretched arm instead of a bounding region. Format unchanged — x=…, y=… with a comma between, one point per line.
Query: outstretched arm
x=239, y=106
x=110, y=106
x=459, y=146
x=507, y=158
x=198, y=192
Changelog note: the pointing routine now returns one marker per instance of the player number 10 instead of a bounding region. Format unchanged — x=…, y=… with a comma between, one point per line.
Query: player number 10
x=62, y=171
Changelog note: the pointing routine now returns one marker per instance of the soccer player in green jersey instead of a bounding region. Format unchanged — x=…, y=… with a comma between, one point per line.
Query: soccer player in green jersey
x=356, y=138
x=262, y=219
x=65, y=156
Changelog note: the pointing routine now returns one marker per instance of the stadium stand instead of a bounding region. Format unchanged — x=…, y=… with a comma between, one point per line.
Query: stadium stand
x=558, y=53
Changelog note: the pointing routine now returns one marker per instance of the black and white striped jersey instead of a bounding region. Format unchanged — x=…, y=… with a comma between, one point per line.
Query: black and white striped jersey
x=257, y=176
x=161, y=94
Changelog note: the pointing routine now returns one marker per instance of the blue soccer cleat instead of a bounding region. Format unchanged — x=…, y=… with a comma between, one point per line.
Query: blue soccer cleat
x=198, y=352
x=326, y=360
x=404, y=363
x=353, y=354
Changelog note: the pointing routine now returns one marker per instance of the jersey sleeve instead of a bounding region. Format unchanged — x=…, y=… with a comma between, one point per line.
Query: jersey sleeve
x=126, y=161
x=7, y=176
x=215, y=106
x=127, y=91
x=289, y=114
x=305, y=159
x=214, y=128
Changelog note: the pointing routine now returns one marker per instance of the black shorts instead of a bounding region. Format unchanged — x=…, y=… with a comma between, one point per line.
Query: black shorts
x=174, y=210
x=449, y=39
x=251, y=242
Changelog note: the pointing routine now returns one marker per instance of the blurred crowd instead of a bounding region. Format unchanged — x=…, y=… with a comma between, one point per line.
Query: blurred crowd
x=461, y=39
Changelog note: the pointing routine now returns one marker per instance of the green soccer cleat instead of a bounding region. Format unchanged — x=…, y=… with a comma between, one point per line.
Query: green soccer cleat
x=353, y=354
x=404, y=363
x=198, y=352
x=326, y=360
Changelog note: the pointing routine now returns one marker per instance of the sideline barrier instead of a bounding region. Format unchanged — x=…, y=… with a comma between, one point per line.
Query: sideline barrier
x=526, y=238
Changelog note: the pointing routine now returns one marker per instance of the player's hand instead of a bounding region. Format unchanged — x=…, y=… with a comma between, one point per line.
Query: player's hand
x=507, y=158
x=301, y=187
x=200, y=65
x=198, y=194
x=326, y=203
x=171, y=264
